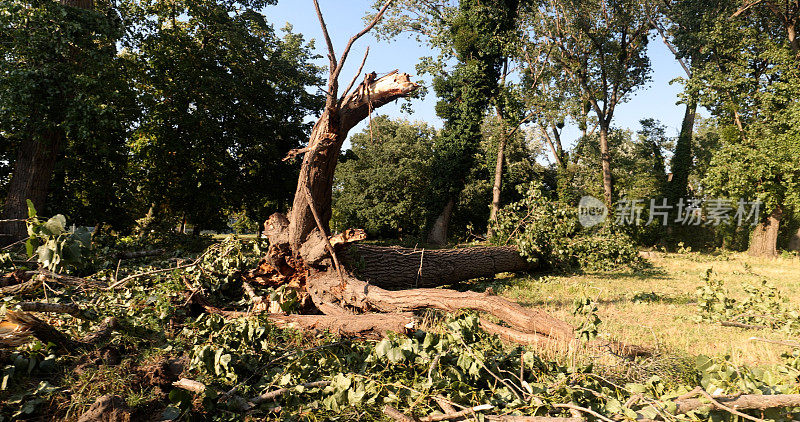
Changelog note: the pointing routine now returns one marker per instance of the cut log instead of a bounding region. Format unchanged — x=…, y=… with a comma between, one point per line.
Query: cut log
x=57, y=308
x=363, y=296
x=742, y=402
x=403, y=268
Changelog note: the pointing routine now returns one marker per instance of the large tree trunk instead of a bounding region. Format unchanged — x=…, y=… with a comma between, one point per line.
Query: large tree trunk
x=30, y=180
x=438, y=233
x=403, y=268
x=324, y=146
x=605, y=158
x=764, y=240
x=33, y=169
x=681, y=164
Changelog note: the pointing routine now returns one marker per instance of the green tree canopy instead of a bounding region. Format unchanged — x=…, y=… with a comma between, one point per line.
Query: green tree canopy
x=64, y=86
x=383, y=181
x=225, y=99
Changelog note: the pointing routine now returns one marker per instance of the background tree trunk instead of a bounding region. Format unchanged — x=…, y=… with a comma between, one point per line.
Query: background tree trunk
x=438, y=233
x=403, y=268
x=794, y=241
x=764, y=240
x=498, y=184
x=605, y=158
x=681, y=164
x=30, y=180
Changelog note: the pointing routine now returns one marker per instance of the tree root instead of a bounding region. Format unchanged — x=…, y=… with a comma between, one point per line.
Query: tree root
x=362, y=296
x=369, y=326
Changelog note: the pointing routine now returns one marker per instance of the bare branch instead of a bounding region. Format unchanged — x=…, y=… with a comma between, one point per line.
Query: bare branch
x=669, y=45
x=355, y=77
x=331, y=52
x=343, y=59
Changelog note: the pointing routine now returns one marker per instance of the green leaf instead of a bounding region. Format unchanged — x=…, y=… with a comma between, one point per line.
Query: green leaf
x=56, y=225
x=31, y=209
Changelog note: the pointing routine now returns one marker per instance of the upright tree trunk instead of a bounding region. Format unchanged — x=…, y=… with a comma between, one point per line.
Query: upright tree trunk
x=501, y=151
x=498, y=184
x=324, y=146
x=764, y=240
x=36, y=159
x=33, y=169
x=681, y=164
x=605, y=158
x=794, y=242
x=793, y=40
x=438, y=233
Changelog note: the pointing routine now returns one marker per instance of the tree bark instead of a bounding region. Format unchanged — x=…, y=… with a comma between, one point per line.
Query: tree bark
x=359, y=295
x=324, y=147
x=605, y=158
x=764, y=240
x=498, y=183
x=33, y=168
x=438, y=233
x=402, y=268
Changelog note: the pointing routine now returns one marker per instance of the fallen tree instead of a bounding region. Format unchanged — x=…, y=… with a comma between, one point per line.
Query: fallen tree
x=302, y=251
x=403, y=268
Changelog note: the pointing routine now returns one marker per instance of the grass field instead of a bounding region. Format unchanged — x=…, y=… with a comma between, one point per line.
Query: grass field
x=655, y=307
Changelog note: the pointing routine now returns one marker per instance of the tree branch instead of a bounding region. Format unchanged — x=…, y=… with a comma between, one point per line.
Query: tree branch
x=354, y=38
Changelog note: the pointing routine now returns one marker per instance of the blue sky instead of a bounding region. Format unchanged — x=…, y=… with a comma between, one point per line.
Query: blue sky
x=344, y=18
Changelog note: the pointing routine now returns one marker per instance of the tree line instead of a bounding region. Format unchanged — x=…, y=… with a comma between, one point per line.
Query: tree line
x=182, y=112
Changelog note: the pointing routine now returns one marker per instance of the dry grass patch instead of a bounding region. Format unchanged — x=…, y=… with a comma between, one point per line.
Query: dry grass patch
x=656, y=306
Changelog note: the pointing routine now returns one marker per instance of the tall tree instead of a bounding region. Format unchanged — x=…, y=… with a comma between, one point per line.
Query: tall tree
x=58, y=86
x=671, y=23
x=226, y=98
x=479, y=34
x=747, y=75
x=601, y=46
x=379, y=183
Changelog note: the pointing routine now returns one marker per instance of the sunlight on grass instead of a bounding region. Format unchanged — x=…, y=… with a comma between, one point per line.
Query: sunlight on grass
x=655, y=306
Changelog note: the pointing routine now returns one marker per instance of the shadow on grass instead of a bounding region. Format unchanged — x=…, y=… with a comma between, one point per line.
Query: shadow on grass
x=635, y=298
